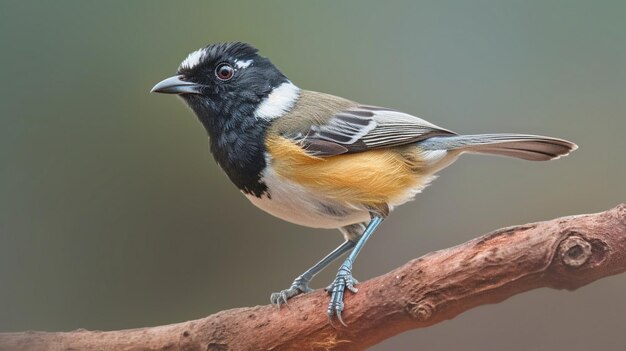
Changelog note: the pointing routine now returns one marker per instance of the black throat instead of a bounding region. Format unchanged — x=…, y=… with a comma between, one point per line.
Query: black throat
x=237, y=141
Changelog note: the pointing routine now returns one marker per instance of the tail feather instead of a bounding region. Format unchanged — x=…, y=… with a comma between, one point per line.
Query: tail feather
x=527, y=147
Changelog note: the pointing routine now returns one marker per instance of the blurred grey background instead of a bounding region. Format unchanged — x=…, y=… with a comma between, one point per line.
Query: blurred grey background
x=113, y=214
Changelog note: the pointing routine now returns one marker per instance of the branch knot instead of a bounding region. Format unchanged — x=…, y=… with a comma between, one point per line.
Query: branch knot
x=574, y=251
x=421, y=311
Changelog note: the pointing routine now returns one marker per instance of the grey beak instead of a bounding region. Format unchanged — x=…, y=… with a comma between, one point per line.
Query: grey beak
x=175, y=85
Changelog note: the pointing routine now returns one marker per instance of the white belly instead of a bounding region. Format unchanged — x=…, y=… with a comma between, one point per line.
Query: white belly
x=296, y=204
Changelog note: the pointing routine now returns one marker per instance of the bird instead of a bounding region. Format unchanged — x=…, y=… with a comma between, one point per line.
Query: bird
x=320, y=160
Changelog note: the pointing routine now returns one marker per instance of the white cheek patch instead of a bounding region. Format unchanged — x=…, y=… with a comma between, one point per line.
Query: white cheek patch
x=193, y=59
x=278, y=102
x=243, y=64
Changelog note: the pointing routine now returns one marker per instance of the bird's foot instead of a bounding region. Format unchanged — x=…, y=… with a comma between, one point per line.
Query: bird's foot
x=299, y=286
x=344, y=280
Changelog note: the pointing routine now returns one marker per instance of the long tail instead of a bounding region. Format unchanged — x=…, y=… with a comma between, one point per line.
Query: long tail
x=527, y=147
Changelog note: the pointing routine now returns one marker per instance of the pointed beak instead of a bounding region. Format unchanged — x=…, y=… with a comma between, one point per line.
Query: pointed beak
x=176, y=85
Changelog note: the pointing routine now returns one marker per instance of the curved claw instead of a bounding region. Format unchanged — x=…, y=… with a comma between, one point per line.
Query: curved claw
x=280, y=298
x=334, y=309
x=341, y=320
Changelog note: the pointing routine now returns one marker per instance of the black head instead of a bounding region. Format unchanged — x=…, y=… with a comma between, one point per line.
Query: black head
x=235, y=93
x=222, y=81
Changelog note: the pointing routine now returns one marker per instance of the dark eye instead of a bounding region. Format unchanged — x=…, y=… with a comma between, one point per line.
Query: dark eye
x=224, y=71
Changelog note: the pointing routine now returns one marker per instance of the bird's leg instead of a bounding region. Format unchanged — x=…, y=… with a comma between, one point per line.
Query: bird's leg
x=344, y=279
x=301, y=283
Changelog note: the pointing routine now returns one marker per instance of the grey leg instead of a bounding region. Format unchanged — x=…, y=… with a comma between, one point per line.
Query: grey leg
x=301, y=284
x=344, y=279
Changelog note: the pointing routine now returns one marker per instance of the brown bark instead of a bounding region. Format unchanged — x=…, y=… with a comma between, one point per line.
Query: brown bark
x=564, y=253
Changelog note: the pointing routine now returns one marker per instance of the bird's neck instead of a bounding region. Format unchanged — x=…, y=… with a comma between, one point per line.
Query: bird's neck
x=238, y=146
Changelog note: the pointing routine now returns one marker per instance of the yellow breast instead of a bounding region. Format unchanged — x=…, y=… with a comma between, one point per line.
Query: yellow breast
x=368, y=178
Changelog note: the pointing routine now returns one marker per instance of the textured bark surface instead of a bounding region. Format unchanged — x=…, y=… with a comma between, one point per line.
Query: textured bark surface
x=564, y=253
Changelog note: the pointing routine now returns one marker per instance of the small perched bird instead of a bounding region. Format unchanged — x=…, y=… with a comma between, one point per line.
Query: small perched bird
x=320, y=160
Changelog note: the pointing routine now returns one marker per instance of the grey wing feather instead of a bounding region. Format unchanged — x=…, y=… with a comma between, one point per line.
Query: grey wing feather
x=367, y=127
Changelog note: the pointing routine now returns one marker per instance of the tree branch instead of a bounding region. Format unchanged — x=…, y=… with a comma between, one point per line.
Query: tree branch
x=564, y=253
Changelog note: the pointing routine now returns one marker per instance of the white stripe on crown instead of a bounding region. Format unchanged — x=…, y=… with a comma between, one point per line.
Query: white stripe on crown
x=193, y=59
x=243, y=64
